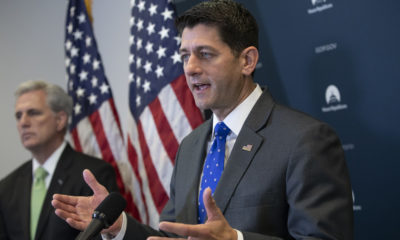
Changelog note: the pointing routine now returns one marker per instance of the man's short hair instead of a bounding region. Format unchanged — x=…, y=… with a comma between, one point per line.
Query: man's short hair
x=237, y=27
x=57, y=99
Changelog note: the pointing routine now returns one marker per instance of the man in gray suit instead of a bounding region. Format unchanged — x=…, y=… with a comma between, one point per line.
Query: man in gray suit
x=285, y=176
x=42, y=110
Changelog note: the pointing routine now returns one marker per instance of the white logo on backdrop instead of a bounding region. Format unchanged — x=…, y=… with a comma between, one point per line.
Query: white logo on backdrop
x=314, y=2
x=326, y=48
x=348, y=146
x=319, y=6
x=332, y=94
x=333, y=99
x=355, y=207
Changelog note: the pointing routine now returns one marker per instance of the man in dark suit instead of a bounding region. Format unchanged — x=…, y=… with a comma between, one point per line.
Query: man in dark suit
x=285, y=176
x=42, y=112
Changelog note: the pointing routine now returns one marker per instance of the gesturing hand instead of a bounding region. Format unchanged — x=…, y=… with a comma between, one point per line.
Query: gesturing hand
x=216, y=226
x=77, y=210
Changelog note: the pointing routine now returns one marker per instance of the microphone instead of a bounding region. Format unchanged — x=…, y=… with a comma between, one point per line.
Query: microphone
x=104, y=215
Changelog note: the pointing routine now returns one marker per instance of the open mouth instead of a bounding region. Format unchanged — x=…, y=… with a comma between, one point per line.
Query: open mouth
x=200, y=86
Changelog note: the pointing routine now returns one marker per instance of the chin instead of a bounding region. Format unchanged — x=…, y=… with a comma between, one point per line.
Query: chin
x=202, y=106
x=29, y=146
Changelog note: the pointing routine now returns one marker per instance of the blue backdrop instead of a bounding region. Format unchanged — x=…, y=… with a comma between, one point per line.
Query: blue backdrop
x=340, y=62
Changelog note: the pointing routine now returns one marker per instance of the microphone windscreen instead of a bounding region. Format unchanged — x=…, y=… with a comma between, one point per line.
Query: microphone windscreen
x=112, y=206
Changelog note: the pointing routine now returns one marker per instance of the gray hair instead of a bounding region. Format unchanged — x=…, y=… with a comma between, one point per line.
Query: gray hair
x=57, y=99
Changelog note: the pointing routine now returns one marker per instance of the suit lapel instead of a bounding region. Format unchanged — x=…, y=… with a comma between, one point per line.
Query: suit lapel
x=60, y=176
x=246, y=146
x=25, y=187
x=195, y=168
x=237, y=166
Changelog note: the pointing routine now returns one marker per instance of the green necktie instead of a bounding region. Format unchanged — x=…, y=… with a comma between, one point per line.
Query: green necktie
x=37, y=197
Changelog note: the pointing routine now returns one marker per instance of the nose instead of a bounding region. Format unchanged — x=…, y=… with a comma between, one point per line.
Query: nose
x=192, y=66
x=24, y=120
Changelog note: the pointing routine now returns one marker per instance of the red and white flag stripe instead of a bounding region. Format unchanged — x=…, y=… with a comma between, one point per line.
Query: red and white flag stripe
x=100, y=135
x=153, y=143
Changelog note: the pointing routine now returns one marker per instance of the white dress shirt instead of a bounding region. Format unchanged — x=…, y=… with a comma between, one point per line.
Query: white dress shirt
x=50, y=164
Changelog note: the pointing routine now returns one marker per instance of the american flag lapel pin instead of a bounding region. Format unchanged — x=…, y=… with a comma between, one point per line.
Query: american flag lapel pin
x=248, y=147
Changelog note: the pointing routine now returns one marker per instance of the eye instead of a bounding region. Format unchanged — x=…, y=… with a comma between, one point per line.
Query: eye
x=34, y=112
x=185, y=57
x=205, y=54
x=18, y=115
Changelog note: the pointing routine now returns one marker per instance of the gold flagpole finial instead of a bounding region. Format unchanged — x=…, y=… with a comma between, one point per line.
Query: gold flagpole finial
x=88, y=4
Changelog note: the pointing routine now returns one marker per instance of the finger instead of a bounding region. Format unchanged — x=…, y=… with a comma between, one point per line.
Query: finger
x=91, y=180
x=63, y=206
x=65, y=215
x=71, y=200
x=76, y=224
x=213, y=212
x=61, y=214
x=72, y=219
x=183, y=229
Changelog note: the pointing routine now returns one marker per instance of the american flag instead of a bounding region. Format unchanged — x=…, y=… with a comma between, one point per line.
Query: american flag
x=95, y=127
x=161, y=106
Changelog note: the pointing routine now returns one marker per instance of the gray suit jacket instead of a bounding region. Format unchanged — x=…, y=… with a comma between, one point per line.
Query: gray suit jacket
x=15, y=195
x=293, y=184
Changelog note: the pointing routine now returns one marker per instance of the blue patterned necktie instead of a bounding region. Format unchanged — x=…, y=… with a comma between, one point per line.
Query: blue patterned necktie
x=213, y=167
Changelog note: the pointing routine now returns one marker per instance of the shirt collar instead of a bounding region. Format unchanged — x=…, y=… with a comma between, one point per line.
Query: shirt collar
x=237, y=117
x=50, y=163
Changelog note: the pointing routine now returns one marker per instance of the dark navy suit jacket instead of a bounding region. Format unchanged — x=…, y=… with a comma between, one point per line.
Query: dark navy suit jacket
x=15, y=195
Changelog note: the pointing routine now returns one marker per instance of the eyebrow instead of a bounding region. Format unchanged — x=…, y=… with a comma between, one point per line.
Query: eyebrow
x=198, y=48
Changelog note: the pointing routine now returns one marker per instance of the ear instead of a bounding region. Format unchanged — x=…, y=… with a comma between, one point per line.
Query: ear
x=250, y=59
x=62, y=120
